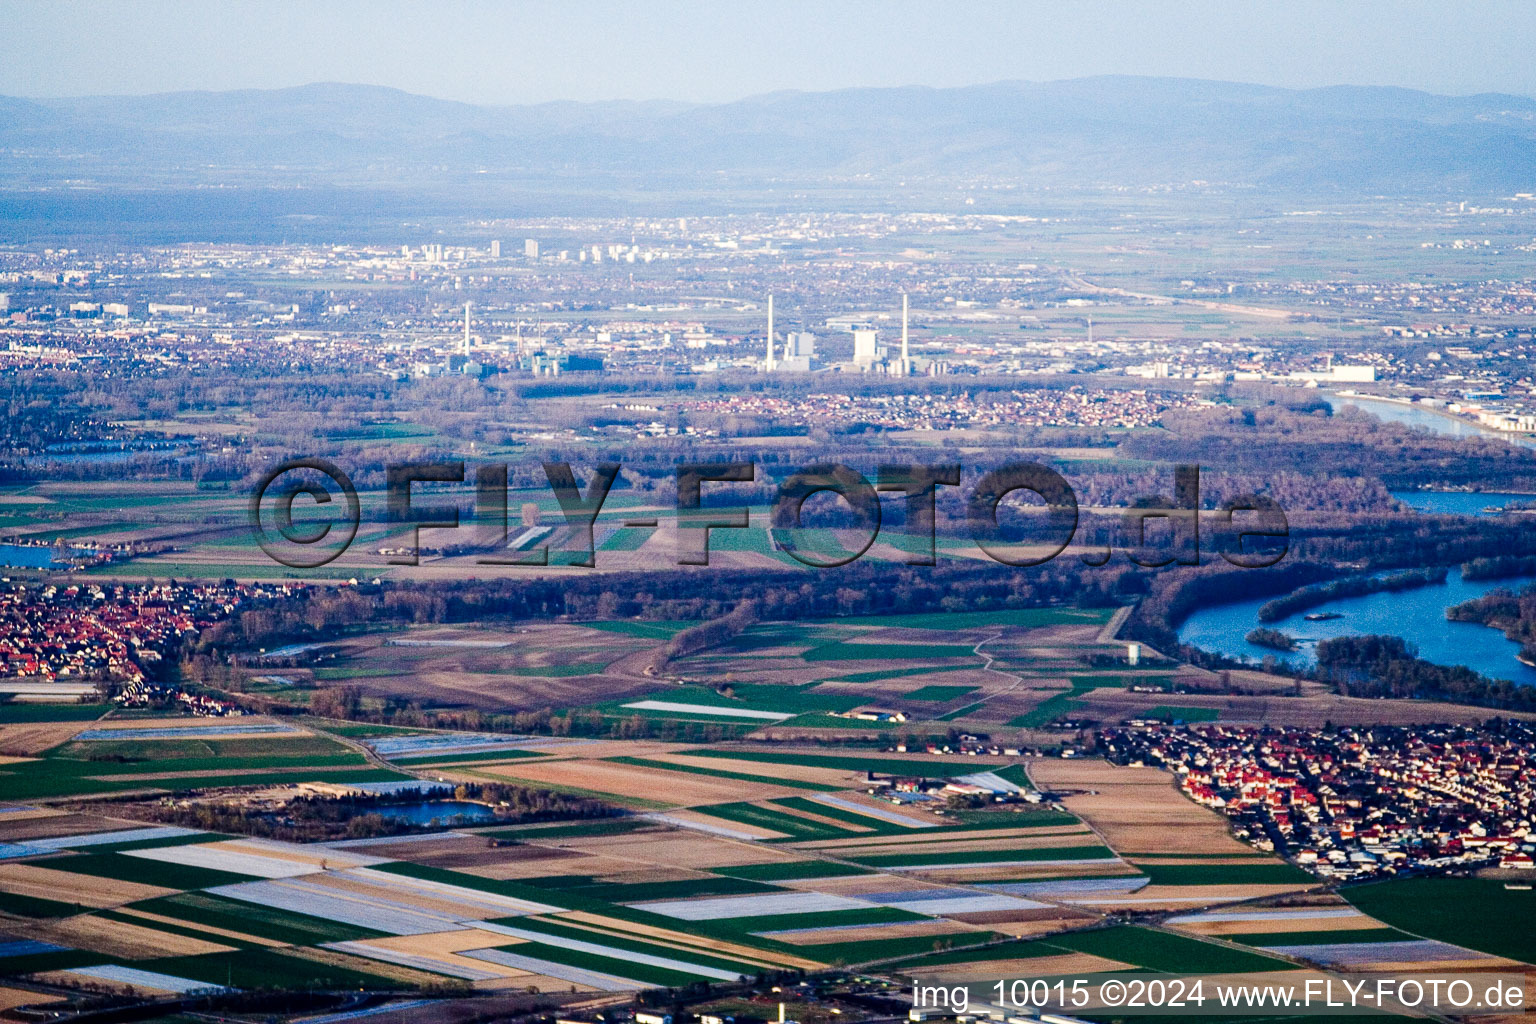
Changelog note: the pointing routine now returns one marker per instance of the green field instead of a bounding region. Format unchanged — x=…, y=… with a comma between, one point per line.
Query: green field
x=1263, y=939
x=124, y=868
x=659, y=630
x=787, y=871
x=198, y=908
x=1144, y=947
x=32, y=906
x=999, y=855
x=11, y=714
x=778, y=821
x=266, y=969
x=646, y=762
x=842, y=650
x=129, y=762
x=1472, y=912
x=559, y=930
x=626, y=538
x=1224, y=874
x=1164, y=951
x=926, y=769
x=1047, y=711
x=1028, y=618
x=896, y=673
x=465, y=757
x=817, y=721
x=655, y=976
x=57, y=960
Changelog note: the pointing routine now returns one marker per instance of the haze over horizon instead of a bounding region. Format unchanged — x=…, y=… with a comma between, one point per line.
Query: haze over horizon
x=513, y=54
x=339, y=84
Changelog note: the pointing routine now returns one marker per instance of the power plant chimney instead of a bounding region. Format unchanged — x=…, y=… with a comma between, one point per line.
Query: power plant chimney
x=466, y=329
x=769, y=364
x=906, y=363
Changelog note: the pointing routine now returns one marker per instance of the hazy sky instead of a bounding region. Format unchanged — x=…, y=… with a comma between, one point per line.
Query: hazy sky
x=521, y=52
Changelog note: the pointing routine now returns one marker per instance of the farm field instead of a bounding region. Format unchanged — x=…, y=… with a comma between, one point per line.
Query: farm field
x=733, y=858
x=1009, y=673
x=738, y=842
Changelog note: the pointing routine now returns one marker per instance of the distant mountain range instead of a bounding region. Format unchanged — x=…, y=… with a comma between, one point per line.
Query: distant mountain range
x=1109, y=130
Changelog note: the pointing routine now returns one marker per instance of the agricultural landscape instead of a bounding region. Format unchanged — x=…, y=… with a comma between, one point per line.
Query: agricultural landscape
x=869, y=538
x=803, y=803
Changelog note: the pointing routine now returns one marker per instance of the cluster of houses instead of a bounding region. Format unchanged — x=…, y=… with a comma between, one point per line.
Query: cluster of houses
x=1350, y=802
x=142, y=693
x=109, y=630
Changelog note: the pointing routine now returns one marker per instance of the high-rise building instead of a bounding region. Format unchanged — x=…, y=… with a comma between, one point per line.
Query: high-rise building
x=495, y=248
x=5, y=302
x=866, y=347
x=531, y=248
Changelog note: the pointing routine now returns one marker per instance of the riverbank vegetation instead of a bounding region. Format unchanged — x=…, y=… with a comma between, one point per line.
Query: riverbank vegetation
x=1272, y=638
x=1301, y=599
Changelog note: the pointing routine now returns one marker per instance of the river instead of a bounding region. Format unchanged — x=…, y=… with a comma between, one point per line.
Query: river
x=1416, y=615
x=1425, y=418
x=1460, y=503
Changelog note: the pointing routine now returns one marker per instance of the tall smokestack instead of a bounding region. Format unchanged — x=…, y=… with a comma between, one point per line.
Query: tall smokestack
x=906, y=365
x=466, y=328
x=769, y=363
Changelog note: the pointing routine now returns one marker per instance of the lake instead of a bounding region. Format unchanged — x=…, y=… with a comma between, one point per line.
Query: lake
x=446, y=812
x=1459, y=503
x=27, y=556
x=1417, y=616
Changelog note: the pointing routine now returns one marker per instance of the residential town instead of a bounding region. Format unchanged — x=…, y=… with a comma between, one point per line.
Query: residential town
x=1348, y=802
x=110, y=632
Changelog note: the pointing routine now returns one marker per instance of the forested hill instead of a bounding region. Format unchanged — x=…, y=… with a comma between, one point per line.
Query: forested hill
x=1107, y=130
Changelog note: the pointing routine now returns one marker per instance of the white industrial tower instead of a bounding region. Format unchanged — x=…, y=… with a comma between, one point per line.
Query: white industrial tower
x=906, y=363
x=768, y=366
x=466, y=329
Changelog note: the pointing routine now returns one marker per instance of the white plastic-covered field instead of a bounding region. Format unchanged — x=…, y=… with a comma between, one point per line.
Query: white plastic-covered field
x=895, y=817
x=239, y=862
x=210, y=727
x=420, y=961
x=1409, y=951
x=1074, y=888
x=447, y=743
x=150, y=980
x=1300, y=914
x=300, y=897
x=478, y=899
x=381, y=900
x=768, y=904
x=708, y=709
x=575, y=975
x=126, y=835
x=934, y=902
x=710, y=828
